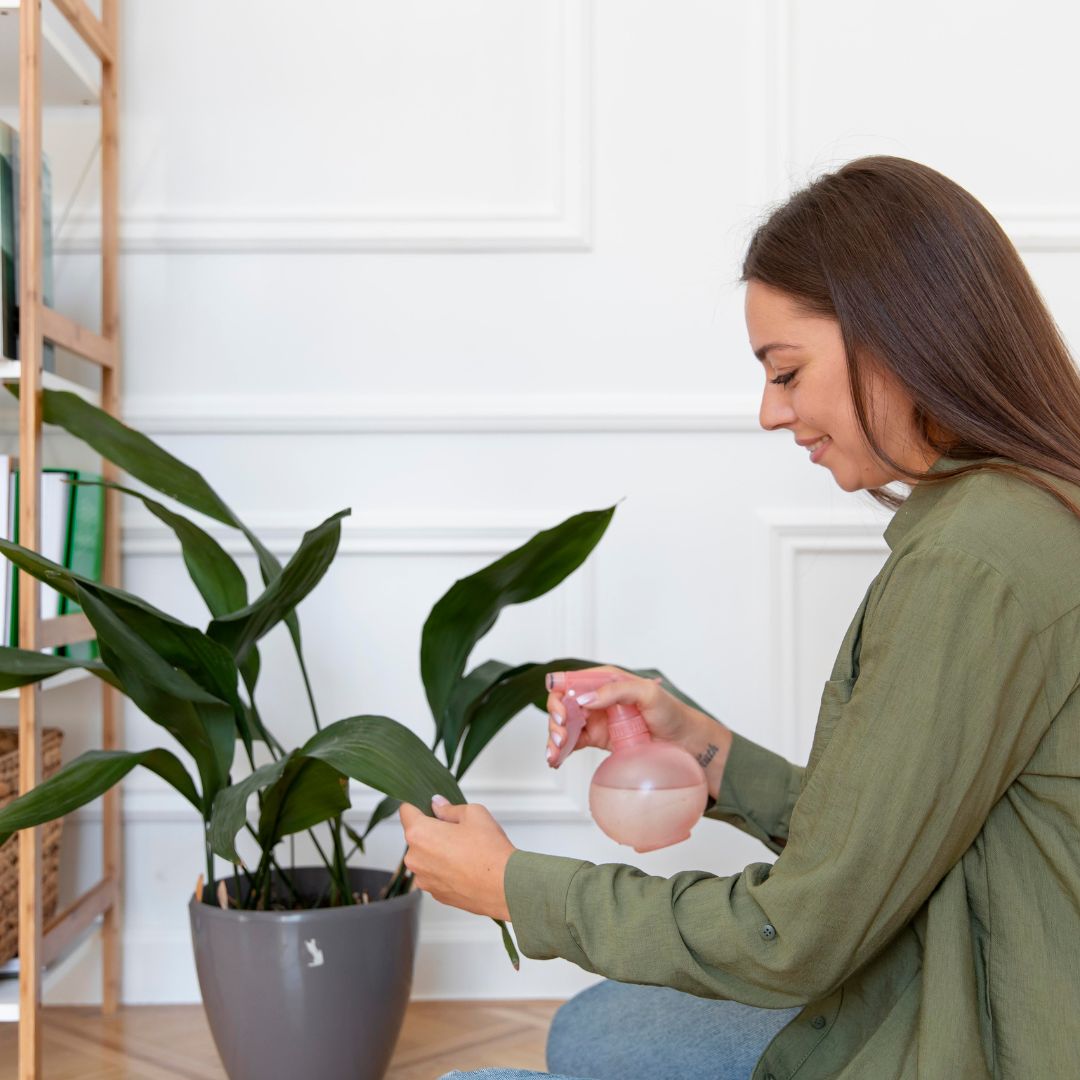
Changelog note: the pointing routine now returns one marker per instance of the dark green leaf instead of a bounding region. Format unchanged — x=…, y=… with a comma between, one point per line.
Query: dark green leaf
x=209, y=665
x=132, y=451
x=137, y=649
x=504, y=697
x=155, y=467
x=256, y=730
x=212, y=568
x=230, y=806
x=200, y=722
x=464, y=696
x=354, y=836
x=193, y=655
x=523, y=686
x=388, y=807
x=18, y=667
x=471, y=606
x=84, y=779
x=309, y=792
x=387, y=756
x=249, y=670
x=241, y=629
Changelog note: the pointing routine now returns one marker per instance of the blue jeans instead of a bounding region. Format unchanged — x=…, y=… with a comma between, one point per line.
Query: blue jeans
x=621, y=1031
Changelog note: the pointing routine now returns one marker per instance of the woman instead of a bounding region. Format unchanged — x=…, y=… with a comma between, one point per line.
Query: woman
x=922, y=917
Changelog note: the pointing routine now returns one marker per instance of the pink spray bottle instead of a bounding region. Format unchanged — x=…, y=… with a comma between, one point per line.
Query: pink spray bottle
x=647, y=793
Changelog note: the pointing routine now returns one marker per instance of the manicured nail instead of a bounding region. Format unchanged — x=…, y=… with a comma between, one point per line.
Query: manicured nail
x=586, y=699
x=439, y=800
x=556, y=738
x=550, y=754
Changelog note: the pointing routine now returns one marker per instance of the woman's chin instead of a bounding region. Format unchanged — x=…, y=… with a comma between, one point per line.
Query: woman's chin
x=847, y=481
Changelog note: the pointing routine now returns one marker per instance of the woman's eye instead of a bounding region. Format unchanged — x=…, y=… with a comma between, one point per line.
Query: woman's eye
x=783, y=380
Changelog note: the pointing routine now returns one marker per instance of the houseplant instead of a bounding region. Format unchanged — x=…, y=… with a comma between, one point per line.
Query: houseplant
x=200, y=686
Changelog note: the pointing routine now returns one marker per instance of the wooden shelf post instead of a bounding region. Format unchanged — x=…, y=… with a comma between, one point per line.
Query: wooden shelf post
x=110, y=402
x=30, y=353
x=35, y=324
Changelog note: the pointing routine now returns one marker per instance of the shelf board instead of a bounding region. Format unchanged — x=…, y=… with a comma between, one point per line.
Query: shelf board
x=9, y=979
x=65, y=78
x=62, y=679
x=11, y=372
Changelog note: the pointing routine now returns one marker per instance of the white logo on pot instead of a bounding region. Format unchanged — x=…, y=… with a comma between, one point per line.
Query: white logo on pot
x=314, y=952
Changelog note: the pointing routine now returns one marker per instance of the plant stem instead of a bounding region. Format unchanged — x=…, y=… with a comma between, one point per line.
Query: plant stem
x=209, y=859
x=274, y=863
x=393, y=885
x=341, y=873
x=288, y=881
x=322, y=854
x=310, y=693
x=261, y=881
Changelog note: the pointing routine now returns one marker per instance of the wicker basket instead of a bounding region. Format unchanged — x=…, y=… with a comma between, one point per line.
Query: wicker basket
x=9, y=852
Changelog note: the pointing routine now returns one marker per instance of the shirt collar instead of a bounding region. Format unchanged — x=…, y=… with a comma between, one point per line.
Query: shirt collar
x=922, y=499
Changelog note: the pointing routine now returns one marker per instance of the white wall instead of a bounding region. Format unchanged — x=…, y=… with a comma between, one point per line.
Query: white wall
x=470, y=269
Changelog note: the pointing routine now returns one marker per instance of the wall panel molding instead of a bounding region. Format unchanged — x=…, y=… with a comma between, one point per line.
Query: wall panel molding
x=793, y=535
x=407, y=414
x=561, y=224
x=1032, y=227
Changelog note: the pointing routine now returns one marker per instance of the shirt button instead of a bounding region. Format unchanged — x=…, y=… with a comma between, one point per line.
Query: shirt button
x=768, y=932
x=819, y=1022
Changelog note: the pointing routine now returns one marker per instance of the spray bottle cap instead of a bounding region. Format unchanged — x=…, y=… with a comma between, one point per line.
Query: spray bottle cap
x=625, y=722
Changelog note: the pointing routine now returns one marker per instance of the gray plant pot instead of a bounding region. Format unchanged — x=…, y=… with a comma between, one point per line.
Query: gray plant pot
x=307, y=993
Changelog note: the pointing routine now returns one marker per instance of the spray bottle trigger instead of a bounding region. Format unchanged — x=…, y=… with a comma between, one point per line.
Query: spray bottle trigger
x=575, y=722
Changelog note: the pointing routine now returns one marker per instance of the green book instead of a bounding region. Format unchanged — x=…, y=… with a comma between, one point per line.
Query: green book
x=9, y=215
x=55, y=512
x=85, y=548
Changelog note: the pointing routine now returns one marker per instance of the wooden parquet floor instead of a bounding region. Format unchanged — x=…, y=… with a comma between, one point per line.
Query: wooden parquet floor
x=157, y=1042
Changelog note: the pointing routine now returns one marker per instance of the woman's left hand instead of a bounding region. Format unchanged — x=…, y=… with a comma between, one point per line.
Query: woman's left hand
x=459, y=856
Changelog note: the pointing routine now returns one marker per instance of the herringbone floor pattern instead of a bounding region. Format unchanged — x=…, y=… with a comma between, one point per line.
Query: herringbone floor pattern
x=173, y=1042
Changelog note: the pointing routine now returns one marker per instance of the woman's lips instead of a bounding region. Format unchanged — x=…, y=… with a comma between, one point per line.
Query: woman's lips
x=819, y=449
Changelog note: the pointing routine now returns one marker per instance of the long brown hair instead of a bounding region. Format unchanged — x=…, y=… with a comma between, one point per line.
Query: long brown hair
x=926, y=285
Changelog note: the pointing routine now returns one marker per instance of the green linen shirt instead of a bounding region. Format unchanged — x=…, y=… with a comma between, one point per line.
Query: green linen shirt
x=924, y=905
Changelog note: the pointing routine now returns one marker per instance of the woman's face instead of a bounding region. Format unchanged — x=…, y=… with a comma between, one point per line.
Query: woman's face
x=807, y=393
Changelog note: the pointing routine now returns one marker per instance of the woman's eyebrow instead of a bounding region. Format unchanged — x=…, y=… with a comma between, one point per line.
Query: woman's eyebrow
x=765, y=349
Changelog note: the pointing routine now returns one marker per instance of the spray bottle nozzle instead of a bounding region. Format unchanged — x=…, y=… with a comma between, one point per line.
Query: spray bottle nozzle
x=571, y=684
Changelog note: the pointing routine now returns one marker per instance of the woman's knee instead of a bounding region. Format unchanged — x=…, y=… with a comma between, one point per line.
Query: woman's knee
x=571, y=1024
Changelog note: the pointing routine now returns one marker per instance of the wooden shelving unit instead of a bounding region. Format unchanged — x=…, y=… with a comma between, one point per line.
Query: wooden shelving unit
x=41, y=52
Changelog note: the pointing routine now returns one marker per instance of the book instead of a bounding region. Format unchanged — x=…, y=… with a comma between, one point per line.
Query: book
x=84, y=550
x=9, y=278
x=72, y=535
x=9, y=226
x=7, y=531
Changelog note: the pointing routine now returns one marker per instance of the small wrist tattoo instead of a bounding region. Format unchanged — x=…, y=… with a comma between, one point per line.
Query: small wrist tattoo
x=704, y=759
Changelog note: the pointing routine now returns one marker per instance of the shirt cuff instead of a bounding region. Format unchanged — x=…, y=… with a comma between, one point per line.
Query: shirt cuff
x=758, y=791
x=536, y=887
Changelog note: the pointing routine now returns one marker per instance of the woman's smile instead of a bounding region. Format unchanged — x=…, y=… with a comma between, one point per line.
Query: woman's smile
x=810, y=394
x=818, y=448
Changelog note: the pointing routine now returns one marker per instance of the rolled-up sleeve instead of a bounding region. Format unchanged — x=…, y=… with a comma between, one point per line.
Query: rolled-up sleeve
x=757, y=792
x=948, y=705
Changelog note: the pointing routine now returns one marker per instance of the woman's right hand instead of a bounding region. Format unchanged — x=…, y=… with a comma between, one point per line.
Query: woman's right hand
x=666, y=716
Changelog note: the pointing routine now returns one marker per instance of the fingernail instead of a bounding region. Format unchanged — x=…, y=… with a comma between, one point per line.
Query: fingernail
x=550, y=755
x=556, y=738
x=586, y=699
x=439, y=800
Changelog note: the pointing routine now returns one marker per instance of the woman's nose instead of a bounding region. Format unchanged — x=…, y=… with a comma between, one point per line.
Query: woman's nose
x=776, y=411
